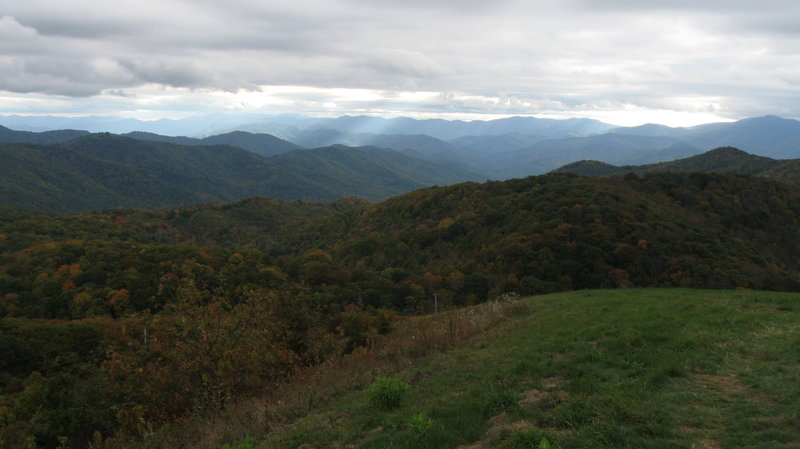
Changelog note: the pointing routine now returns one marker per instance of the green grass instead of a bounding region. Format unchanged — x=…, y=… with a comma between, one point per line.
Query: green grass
x=638, y=368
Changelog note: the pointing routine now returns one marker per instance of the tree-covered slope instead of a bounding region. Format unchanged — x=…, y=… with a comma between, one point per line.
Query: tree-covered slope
x=262, y=144
x=103, y=171
x=373, y=172
x=723, y=159
x=561, y=232
x=106, y=171
x=198, y=308
x=468, y=242
x=11, y=136
x=258, y=222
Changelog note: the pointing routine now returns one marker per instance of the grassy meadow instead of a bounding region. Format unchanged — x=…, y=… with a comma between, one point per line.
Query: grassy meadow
x=631, y=368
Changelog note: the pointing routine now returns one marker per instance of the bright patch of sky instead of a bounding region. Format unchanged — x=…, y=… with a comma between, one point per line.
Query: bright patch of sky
x=675, y=62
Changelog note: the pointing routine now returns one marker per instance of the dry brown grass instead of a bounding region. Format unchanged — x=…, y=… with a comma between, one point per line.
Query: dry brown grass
x=300, y=395
x=725, y=383
x=411, y=339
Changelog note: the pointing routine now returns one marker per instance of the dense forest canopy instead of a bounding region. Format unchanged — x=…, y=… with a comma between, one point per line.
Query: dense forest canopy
x=105, y=171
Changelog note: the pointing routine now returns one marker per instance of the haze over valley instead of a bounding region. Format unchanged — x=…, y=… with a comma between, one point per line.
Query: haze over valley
x=327, y=159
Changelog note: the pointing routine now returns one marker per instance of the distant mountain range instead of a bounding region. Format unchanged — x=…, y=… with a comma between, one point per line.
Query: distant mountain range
x=201, y=126
x=374, y=158
x=498, y=149
x=290, y=127
x=102, y=171
x=438, y=128
x=262, y=144
x=770, y=135
x=544, y=156
x=721, y=160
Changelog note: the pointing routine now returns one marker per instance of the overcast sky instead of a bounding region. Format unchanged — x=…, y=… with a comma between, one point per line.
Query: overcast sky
x=678, y=62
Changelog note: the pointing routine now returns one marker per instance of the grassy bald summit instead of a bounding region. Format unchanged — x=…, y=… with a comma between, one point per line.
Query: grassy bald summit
x=591, y=369
x=723, y=159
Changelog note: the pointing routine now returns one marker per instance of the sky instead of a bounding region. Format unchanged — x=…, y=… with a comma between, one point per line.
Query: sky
x=626, y=62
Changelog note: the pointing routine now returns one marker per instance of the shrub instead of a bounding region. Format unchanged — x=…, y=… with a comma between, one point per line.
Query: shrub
x=247, y=443
x=388, y=392
x=419, y=423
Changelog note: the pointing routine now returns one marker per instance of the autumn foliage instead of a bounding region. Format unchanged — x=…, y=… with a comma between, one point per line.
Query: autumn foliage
x=192, y=309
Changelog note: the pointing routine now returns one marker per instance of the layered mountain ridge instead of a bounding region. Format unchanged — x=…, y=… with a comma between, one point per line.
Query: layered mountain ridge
x=723, y=160
x=499, y=149
x=102, y=171
x=69, y=170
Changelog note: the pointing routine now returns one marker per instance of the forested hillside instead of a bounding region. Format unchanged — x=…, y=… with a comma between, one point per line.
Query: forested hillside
x=62, y=135
x=470, y=241
x=104, y=171
x=723, y=159
x=158, y=315
x=559, y=232
x=262, y=144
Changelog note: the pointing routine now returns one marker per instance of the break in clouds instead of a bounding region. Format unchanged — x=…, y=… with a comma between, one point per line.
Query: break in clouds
x=726, y=59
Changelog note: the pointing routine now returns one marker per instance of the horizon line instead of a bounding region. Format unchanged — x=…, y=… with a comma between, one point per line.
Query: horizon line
x=449, y=117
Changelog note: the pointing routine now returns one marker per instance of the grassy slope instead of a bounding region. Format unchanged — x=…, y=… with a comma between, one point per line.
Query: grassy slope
x=645, y=368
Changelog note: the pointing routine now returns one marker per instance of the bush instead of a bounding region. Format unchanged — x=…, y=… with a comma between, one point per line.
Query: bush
x=247, y=443
x=419, y=423
x=388, y=392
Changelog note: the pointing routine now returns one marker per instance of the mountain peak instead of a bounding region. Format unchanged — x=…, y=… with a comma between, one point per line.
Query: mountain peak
x=769, y=120
x=770, y=117
x=722, y=159
x=236, y=133
x=725, y=151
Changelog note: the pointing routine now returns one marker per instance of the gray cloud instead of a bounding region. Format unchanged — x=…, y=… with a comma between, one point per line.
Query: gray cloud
x=399, y=62
x=731, y=58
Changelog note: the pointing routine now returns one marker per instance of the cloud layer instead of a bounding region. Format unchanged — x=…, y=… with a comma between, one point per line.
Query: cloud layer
x=723, y=59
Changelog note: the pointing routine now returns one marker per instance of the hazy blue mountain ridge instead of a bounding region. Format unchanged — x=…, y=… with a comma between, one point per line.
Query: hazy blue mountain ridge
x=261, y=144
x=500, y=149
x=287, y=126
x=769, y=135
x=547, y=155
x=723, y=159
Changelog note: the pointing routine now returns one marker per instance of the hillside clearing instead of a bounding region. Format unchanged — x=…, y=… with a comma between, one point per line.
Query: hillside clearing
x=637, y=368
